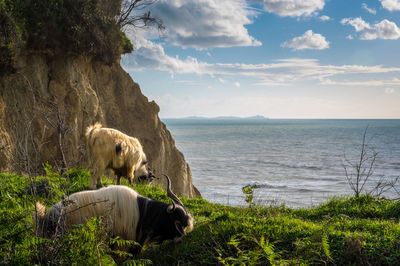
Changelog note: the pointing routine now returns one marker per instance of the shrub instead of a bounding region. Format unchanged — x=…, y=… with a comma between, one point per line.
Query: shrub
x=10, y=37
x=81, y=27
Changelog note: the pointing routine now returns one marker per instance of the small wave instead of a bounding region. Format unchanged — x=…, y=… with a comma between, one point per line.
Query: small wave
x=284, y=165
x=313, y=190
x=264, y=185
x=395, y=166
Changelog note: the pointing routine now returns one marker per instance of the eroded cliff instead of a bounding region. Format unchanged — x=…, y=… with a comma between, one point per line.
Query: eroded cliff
x=47, y=104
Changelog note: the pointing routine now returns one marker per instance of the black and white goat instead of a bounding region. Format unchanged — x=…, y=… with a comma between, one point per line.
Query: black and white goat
x=129, y=215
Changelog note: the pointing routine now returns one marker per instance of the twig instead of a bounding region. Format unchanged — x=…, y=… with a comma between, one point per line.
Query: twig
x=86, y=205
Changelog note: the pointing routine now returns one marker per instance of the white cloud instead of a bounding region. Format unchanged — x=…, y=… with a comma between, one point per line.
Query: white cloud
x=149, y=55
x=383, y=30
x=390, y=90
x=237, y=84
x=308, y=40
x=188, y=82
x=391, y=5
x=292, y=8
x=350, y=37
x=366, y=83
x=325, y=18
x=358, y=23
x=205, y=24
x=369, y=10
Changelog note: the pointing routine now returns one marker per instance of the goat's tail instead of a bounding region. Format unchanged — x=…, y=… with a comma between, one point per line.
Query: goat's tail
x=38, y=217
x=89, y=133
x=46, y=224
x=89, y=130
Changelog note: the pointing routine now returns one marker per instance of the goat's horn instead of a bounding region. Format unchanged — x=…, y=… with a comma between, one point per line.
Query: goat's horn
x=172, y=195
x=171, y=208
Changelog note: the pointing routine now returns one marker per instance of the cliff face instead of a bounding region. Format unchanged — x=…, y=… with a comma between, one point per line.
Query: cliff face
x=46, y=106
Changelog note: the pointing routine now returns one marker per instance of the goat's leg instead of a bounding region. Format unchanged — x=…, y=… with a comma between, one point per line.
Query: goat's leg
x=130, y=175
x=93, y=181
x=98, y=170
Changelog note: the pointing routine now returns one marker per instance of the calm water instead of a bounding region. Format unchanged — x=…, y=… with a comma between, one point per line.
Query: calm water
x=296, y=162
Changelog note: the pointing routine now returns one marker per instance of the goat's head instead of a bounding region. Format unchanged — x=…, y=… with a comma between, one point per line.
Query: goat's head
x=143, y=171
x=180, y=220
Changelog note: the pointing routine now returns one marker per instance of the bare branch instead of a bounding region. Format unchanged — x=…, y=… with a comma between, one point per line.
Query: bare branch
x=135, y=13
x=358, y=174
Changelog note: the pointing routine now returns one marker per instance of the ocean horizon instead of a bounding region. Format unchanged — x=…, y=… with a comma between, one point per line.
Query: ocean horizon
x=296, y=162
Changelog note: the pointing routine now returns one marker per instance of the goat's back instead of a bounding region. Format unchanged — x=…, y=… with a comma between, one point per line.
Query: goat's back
x=116, y=204
x=102, y=144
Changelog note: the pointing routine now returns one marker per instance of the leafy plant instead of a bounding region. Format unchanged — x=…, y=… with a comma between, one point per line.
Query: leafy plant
x=248, y=191
x=262, y=253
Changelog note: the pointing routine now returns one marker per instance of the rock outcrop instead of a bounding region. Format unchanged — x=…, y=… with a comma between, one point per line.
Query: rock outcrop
x=47, y=104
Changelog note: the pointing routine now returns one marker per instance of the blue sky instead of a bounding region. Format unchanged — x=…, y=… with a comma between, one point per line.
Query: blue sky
x=276, y=58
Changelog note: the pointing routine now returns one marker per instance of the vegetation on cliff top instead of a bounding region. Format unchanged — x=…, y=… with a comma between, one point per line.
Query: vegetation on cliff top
x=83, y=27
x=348, y=230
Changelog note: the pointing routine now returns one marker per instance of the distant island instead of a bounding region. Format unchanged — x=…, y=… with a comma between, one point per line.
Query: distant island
x=225, y=117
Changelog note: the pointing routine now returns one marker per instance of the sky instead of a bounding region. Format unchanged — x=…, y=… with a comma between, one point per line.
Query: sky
x=275, y=58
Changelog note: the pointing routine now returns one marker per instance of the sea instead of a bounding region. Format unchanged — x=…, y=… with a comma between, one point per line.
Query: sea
x=296, y=162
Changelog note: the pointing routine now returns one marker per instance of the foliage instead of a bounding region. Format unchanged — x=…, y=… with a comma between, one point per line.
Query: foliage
x=10, y=37
x=81, y=27
x=346, y=230
x=262, y=253
x=18, y=243
x=248, y=191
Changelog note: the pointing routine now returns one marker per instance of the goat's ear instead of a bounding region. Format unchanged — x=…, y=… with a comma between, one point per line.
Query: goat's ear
x=119, y=147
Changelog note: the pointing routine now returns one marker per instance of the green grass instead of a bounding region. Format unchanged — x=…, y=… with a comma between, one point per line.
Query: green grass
x=345, y=230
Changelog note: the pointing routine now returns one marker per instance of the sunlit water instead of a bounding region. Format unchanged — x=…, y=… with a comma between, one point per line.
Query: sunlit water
x=295, y=162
